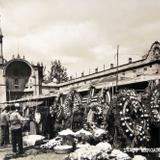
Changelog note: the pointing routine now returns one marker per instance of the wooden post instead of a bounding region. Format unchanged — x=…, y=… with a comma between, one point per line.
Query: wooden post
x=117, y=68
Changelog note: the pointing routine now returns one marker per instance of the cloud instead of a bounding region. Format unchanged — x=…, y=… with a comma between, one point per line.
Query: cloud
x=79, y=31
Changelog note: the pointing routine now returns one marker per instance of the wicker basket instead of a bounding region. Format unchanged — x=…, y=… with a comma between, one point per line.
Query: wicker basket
x=63, y=149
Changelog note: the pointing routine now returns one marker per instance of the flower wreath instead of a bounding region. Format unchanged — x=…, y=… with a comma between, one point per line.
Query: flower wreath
x=133, y=116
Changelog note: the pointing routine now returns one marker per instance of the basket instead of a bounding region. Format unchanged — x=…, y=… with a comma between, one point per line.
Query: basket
x=63, y=149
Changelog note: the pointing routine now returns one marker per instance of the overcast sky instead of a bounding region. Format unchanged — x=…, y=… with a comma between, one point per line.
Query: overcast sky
x=83, y=34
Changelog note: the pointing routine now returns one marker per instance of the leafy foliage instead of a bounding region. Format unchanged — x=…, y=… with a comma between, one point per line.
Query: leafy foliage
x=57, y=72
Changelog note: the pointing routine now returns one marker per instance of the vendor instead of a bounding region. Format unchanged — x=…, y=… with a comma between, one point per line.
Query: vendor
x=16, y=121
x=90, y=115
x=33, y=125
x=4, y=119
x=38, y=120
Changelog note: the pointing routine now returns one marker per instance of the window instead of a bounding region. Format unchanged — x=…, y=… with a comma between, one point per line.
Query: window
x=16, y=81
x=145, y=68
x=121, y=78
x=134, y=70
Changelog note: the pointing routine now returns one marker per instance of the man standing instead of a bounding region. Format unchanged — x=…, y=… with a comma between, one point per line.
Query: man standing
x=4, y=119
x=16, y=121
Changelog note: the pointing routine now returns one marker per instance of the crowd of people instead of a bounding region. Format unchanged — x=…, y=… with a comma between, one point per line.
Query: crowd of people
x=13, y=123
x=11, y=119
x=17, y=120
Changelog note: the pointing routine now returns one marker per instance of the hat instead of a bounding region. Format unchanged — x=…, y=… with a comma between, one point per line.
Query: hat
x=16, y=105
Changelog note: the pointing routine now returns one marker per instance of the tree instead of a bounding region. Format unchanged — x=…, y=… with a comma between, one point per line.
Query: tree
x=46, y=75
x=58, y=72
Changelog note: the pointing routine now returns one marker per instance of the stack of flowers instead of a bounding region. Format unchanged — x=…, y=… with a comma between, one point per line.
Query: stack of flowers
x=52, y=143
x=68, y=143
x=32, y=140
x=102, y=151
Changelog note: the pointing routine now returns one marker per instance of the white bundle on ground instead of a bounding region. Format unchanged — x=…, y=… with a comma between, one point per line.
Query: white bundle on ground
x=52, y=143
x=98, y=132
x=98, y=152
x=82, y=131
x=88, y=152
x=139, y=157
x=66, y=132
x=104, y=146
x=63, y=148
x=31, y=140
x=119, y=155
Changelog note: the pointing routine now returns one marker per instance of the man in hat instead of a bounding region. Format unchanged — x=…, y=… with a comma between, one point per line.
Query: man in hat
x=16, y=121
x=4, y=119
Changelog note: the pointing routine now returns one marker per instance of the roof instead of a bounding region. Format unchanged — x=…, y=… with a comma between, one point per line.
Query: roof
x=33, y=98
x=150, y=58
x=50, y=84
x=110, y=71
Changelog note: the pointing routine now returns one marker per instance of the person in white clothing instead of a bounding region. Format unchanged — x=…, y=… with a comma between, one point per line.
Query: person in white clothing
x=16, y=122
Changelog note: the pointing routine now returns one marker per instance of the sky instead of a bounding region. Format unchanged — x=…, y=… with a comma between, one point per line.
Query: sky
x=82, y=34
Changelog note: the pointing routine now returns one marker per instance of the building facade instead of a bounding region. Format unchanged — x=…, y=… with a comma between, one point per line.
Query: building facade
x=134, y=74
x=18, y=77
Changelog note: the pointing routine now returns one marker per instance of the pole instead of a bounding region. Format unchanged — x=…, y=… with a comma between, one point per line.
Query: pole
x=1, y=40
x=1, y=50
x=117, y=68
x=115, y=133
x=112, y=86
x=9, y=95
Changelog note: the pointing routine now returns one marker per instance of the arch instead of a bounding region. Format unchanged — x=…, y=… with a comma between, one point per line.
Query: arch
x=17, y=74
x=16, y=60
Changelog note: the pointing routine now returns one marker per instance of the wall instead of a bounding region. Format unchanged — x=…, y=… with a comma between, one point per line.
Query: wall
x=2, y=86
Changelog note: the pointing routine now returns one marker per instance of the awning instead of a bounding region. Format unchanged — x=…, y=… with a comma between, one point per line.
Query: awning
x=83, y=88
x=31, y=103
x=33, y=98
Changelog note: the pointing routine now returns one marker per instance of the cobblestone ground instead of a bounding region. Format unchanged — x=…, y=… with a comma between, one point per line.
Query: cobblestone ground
x=6, y=154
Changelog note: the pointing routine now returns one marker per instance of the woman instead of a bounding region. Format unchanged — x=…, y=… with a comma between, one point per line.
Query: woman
x=32, y=124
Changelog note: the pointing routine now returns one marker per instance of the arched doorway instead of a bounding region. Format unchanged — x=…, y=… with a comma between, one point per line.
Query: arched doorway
x=17, y=73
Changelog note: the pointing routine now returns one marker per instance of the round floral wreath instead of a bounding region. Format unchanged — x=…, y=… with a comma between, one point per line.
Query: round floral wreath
x=133, y=116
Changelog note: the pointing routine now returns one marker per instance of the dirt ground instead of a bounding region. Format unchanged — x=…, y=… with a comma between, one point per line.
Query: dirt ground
x=44, y=156
x=6, y=154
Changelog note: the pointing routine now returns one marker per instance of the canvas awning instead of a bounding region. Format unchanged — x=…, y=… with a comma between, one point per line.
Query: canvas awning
x=32, y=103
x=29, y=99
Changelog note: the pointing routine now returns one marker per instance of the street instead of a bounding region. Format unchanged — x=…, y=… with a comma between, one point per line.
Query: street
x=32, y=154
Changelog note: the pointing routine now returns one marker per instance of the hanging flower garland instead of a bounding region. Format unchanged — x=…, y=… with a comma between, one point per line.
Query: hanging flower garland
x=133, y=116
x=155, y=106
x=68, y=103
x=77, y=102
